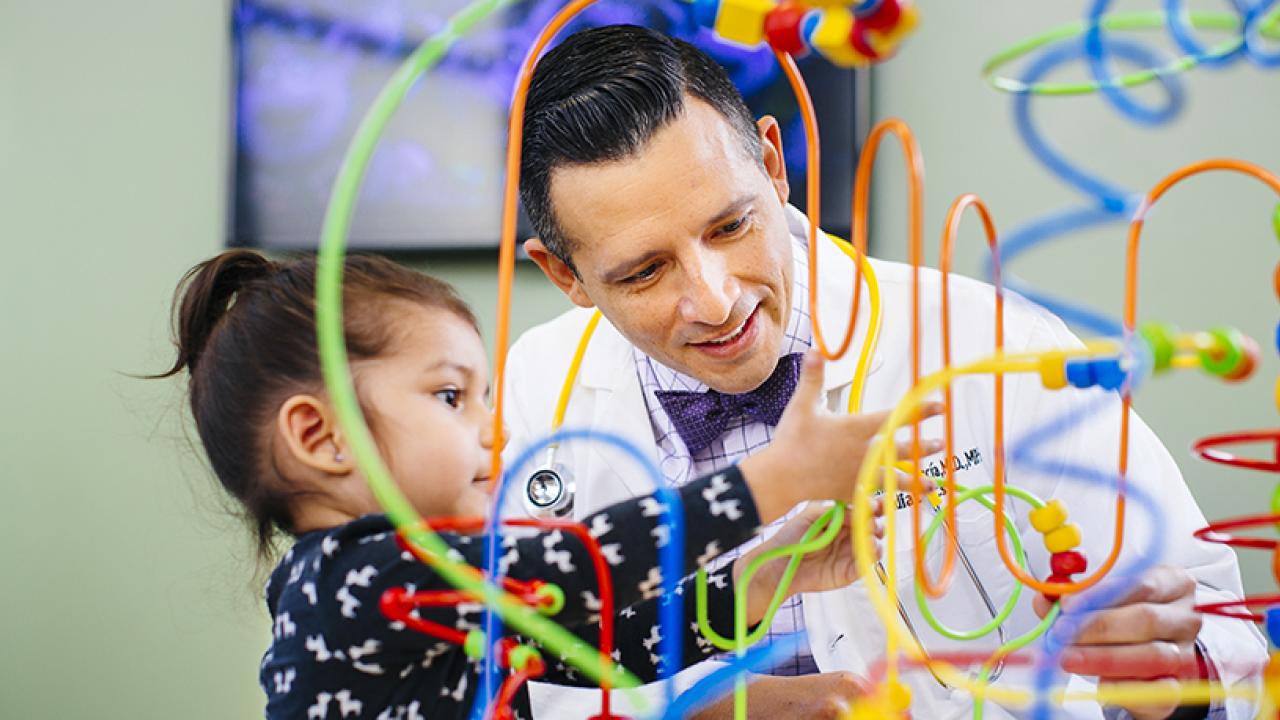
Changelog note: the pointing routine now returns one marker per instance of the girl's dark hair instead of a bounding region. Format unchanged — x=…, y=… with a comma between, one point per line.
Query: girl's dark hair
x=245, y=331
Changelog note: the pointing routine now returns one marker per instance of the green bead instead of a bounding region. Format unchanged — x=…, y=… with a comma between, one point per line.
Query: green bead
x=1160, y=337
x=1275, y=504
x=1227, y=352
x=474, y=644
x=554, y=592
x=1275, y=222
x=521, y=656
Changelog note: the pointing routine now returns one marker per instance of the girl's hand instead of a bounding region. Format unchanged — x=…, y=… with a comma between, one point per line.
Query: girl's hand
x=815, y=454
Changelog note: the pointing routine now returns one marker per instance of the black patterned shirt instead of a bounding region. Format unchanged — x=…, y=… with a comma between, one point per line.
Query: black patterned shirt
x=334, y=655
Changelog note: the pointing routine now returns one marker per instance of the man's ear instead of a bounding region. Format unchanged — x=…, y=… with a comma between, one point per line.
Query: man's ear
x=775, y=163
x=558, y=272
x=311, y=435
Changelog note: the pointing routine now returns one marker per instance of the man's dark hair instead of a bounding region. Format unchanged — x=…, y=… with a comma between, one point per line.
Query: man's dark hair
x=600, y=96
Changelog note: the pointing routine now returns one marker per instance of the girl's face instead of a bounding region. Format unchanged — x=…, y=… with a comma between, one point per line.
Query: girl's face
x=431, y=418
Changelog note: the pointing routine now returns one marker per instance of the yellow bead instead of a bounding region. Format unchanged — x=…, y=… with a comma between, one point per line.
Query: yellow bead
x=1050, y=517
x=898, y=696
x=1063, y=539
x=1271, y=679
x=1053, y=370
x=742, y=21
x=831, y=38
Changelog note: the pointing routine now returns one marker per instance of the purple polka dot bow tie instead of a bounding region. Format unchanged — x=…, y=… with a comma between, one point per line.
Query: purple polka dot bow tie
x=701, y=417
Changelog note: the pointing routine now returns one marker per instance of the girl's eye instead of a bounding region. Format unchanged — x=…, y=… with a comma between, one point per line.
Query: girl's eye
x=450, y=396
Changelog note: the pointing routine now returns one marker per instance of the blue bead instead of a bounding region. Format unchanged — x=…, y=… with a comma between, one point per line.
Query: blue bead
x=1080, y=373
x=1109, y=374
x=705, y=12
x=809, y=26
x=1273, y=625
x=1278, y=338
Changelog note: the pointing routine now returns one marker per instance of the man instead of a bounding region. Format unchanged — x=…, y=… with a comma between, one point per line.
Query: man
x=658, y=199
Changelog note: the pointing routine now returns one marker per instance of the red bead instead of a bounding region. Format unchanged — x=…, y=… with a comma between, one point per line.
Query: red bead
x=782, y=28
x=1247, y=364
x=1068, y=563
x=884, y=17
x=858, y=41
x=1055, y=578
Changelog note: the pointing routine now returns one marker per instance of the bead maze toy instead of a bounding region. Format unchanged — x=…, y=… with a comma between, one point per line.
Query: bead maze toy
x=856, y=33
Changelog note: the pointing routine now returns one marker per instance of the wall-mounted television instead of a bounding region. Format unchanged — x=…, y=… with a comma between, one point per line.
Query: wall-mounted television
x=305, y=71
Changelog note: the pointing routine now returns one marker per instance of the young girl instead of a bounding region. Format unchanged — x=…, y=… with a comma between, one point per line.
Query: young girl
x=245, y=333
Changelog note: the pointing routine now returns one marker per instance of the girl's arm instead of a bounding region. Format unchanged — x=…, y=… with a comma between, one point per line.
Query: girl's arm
x=718, y=510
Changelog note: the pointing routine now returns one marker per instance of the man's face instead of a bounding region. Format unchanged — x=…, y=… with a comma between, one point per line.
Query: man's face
x=684, y=247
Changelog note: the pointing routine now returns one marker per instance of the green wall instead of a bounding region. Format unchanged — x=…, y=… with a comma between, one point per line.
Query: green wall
x=128, y=590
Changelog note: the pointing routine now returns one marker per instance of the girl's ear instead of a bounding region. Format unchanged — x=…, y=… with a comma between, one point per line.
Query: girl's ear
x=311, y=435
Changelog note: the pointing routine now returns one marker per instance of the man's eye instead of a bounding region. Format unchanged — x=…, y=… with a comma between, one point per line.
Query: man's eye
x=450, y=396
x=734, y=227
x=644, y=274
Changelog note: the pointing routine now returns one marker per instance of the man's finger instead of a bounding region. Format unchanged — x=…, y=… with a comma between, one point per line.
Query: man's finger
x=1160, y=584
x=1145, y=661
x=1140, y=623
x=809, y=387
x=927, y=447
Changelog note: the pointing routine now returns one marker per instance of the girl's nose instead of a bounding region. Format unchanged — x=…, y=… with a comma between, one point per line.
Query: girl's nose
x=487, y=435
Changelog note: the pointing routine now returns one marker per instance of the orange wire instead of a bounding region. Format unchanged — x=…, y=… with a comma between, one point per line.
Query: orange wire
x=1130, y=317
x=507, y=249
x=950, y=230
x=814, y=211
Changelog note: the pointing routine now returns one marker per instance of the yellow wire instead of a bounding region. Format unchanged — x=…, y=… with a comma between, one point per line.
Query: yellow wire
x=873, y=328
x=567, y=390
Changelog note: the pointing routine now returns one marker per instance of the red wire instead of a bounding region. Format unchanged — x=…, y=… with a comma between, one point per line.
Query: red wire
x=526, y=591
x=1215, y=532
x=1206, y=448
x=1223, y=609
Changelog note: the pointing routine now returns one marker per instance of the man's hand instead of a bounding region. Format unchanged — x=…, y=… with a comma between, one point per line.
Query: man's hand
x=826, y=696
x=1149, y=635
x=829, y=568
x=815, y=454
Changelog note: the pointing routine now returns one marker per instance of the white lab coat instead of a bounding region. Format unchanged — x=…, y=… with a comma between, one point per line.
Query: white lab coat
x=844, y=632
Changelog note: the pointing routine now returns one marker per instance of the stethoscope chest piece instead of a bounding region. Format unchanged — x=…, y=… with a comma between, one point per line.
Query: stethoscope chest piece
x=549, y=491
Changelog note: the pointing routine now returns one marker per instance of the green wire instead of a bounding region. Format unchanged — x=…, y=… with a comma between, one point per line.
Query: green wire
x=1012, y=531
x=341, y=388
x=828, y=524
x=1150, y=20
x=1011, y=647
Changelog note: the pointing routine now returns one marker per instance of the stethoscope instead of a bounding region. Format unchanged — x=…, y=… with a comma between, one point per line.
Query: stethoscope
x=550, y=489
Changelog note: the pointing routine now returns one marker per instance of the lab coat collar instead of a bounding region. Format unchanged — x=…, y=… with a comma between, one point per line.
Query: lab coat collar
x=610, y=364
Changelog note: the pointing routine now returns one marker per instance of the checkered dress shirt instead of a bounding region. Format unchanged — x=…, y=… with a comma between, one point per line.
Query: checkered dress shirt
x=741, y=438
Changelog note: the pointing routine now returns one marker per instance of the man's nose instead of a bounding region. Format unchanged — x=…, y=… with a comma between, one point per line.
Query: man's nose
x=710, y=291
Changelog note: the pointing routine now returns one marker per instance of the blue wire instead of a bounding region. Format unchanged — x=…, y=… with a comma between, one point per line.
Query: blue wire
x=1109, y=196
x=1252, y=37
x=670, y=555
x=1180, y=29
x=723, y=680
x=1096, y=53
x=1103, y=595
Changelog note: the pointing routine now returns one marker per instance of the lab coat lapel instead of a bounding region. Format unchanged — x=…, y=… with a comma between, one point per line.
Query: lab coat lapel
x=620, y=409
